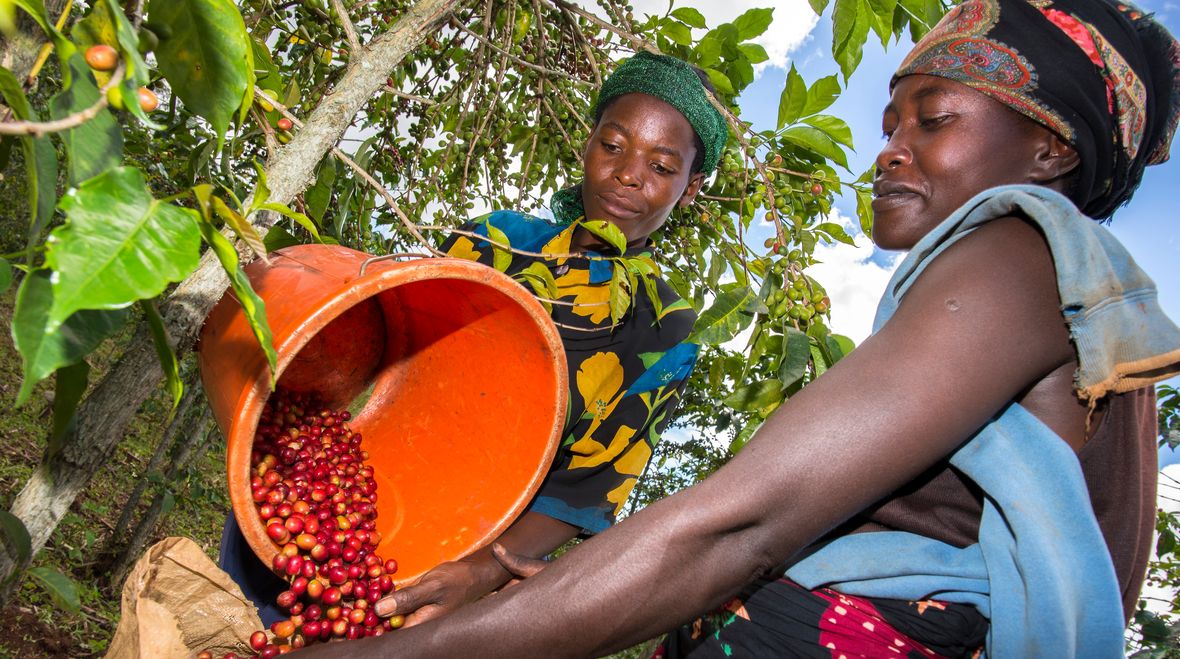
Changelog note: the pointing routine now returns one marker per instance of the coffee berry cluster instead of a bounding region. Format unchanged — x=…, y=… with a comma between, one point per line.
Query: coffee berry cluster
x=317, y=498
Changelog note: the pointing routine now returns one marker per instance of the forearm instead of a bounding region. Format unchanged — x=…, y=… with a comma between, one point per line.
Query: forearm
x=534, y=535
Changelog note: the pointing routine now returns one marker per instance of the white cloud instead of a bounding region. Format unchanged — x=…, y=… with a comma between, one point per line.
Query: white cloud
x=853, y=281
x=793, y=21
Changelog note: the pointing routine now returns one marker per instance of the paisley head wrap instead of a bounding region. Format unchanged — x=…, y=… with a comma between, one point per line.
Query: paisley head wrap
x=1099, y=73
x=672, y=81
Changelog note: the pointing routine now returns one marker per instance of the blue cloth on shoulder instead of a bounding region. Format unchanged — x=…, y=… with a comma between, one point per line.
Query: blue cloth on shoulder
x=1041, y=571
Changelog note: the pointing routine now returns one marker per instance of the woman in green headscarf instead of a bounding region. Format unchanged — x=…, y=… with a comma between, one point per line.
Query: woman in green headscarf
x=655, y=139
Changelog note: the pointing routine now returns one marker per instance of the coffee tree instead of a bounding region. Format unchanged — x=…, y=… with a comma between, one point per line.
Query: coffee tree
x=160, y=145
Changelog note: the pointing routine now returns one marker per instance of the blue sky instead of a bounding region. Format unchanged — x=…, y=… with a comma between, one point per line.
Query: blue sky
x=1149, y=226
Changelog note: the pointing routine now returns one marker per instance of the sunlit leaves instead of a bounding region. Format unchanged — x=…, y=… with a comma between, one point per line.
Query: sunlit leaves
x=118, y=245
x=609, y=233
x=850, y=27
x=207, y=59
x=728, y=316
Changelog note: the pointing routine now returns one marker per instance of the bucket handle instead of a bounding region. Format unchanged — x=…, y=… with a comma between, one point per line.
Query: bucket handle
x=387, y=257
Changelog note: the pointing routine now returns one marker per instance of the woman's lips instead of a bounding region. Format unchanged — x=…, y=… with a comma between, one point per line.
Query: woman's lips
x=617, y=205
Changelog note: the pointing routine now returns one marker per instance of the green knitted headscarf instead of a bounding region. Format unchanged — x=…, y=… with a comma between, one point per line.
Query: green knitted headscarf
x=672, y=81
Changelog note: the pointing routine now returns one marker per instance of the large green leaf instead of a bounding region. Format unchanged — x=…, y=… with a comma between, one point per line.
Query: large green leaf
x=67, y=393
x=690, y=16
x=793, y=99
x=720, y=322
x=501, y=257
x=42, y=350
x=16, y=536
x=252, y=305
x=119, y=245
x=796, y=355
x=821, y=94
x=164, y=352
x=850, y=28
x=97, y=144
x=608, y=232
x=757, y=396
x=207, y=59
x=40, y=159
x=61, y=588
x=817, y=142
x=833, y=127
x=753, y=23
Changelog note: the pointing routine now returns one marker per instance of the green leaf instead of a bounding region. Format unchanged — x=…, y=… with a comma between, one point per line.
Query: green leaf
x=501, y=256
x=676, y=32
x=118, y=245
x=720, y=322
x=244, y=229
x=757, y=396
x=753, y=23
x=40, y=159
x=207, y=60
x=42, y=350
x=833, y=127
x=793, y=99
x=708, y=51
x=755, y=53
x=5, y=275
x=319, y=195
x=744, y=436
x=61, y=588
x=836, y=232
x=818, y=6
x=817, y=142
x=70, y=384
x=541, y=274
x=167, y=502
x=690, y=16
x=796, y=354
x=97, y=144
x=821, y=94
x=165, y=353
x=864, y=202
x=252, y=305
x=16, y=536
x=300, y=219
x=620, y=293
x=720, y=81
x=881, y=18
x=278, y=238
x=850, y=28
x=608, y=232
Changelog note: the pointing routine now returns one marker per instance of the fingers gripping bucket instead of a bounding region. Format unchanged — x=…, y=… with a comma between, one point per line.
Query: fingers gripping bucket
x=458, y=373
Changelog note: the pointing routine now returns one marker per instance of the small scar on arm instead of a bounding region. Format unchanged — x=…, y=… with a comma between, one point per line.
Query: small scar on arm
x=952, y=304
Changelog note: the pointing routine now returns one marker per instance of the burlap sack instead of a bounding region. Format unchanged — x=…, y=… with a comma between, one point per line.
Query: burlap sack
x=177, y=602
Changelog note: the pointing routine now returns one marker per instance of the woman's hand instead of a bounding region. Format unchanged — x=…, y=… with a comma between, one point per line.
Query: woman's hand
x=438, y=592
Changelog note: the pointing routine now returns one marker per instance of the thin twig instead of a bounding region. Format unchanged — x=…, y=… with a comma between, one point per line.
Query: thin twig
x=360, y=171
x=409, y=97
x=354, y=43
x=39, y=128
x=528, y=65
x=636, y=41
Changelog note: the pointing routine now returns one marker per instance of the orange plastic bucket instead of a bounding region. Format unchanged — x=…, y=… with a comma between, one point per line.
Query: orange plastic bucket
x=464, y=374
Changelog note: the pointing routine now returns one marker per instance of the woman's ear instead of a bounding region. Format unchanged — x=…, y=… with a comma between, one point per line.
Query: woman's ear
x=1054, y=160
x=695, y=181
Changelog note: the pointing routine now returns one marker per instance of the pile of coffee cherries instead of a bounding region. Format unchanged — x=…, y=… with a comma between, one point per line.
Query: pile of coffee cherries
x=318, y=500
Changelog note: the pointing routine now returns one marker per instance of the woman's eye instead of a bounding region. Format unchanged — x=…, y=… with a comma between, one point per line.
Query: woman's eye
x=661, y=169
x=934, y=120
x=610, y=146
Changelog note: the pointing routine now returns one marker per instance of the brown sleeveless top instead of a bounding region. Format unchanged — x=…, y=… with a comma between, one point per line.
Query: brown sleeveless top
x=1120, y=464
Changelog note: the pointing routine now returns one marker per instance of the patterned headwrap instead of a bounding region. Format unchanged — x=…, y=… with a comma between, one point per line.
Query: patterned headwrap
x=676, y=83
x=1099, y=73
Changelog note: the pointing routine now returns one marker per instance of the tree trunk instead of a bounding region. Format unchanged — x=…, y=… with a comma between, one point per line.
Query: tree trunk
x=104, y=415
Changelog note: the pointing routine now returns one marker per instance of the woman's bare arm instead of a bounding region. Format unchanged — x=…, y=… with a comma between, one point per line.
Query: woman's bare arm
x=978, y=328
